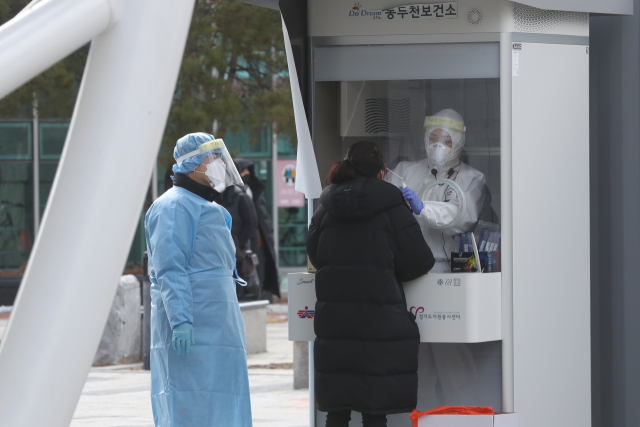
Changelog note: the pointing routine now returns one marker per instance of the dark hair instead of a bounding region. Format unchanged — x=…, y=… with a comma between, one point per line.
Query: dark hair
x=363, y=159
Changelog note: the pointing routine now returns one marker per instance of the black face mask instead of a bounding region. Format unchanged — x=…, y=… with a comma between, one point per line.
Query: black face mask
x=246, y=178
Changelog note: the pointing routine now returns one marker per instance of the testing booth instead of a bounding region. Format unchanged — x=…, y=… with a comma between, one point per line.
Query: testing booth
x=507, y=323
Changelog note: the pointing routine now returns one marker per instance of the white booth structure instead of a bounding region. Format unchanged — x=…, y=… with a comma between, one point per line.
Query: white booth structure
x=519, y=75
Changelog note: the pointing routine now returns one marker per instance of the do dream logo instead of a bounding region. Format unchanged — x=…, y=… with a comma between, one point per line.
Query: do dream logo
x=357, y=10
x=306, y=313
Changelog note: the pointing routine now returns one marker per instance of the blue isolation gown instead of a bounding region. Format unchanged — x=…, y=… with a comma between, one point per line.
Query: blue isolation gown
x=191, y=262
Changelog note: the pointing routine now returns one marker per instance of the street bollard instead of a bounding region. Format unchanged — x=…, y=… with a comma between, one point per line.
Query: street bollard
x=300, y=364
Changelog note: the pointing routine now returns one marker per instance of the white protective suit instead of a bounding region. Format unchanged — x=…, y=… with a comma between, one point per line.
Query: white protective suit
x=454, y=366
x=441, y=203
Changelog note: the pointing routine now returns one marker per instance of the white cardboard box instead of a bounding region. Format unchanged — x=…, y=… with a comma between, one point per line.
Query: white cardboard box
x=497, y=420
x=457, y=307
x=302, y=306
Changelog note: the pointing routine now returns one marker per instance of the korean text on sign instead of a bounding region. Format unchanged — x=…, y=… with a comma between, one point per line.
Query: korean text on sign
x=423, y=11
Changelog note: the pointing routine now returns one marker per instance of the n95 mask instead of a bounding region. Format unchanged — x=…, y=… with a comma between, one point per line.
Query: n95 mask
x=217, y=174
x=439, y=153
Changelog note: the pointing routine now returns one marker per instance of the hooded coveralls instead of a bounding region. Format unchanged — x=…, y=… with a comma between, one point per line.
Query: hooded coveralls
x=191, y=260
x=455, y=366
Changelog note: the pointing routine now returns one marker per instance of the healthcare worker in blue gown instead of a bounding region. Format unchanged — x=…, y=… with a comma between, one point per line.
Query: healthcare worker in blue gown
x=198, y=358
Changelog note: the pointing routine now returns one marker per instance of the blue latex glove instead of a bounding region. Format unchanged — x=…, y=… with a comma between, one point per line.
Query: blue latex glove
x=411, y=197
x=183, y=338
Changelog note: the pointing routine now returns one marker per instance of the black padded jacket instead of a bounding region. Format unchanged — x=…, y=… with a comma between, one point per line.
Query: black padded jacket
x=364, y=241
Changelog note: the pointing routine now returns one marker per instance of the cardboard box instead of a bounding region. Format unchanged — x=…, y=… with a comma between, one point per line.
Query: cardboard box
x=302, y=306
x=465, y=262
x=310, y=268
x=456, y=307
x=497, y=420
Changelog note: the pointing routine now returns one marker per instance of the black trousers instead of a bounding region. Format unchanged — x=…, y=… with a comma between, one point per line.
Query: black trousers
x=342, y=418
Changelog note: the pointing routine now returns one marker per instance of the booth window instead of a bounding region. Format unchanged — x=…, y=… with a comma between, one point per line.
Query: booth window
x=16, y=197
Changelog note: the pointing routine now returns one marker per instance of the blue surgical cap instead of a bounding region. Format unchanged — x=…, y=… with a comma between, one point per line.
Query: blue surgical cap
x=187, y=144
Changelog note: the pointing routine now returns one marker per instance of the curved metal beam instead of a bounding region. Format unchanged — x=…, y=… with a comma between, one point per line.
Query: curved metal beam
x=93, y=210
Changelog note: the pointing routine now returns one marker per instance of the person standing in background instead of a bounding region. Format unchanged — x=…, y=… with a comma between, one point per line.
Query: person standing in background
x=267, y=268
x=245, y=234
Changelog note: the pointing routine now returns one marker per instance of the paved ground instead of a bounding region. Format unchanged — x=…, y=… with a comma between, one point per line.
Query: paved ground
x=119, y=397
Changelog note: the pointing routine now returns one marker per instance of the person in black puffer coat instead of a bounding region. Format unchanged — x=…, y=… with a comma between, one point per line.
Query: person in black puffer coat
x=244, y=230
x=267, y=269
x=364, y=241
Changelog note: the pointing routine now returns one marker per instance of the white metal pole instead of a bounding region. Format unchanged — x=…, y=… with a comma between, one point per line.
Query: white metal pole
x=274, y=190
x=507, y=222
x=276, y=177
x=44, y=34
x=36, y=166
x=312, y=382
x=92, y=214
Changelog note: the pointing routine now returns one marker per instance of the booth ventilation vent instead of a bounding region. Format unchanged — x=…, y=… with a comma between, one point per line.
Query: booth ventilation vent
x=529, y=19
x=387, y=115
x=475, y=17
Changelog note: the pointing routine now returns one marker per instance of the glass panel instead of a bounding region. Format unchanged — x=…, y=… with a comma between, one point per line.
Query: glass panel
x=286, y=149
x=292, y=226
x=240, y=143
x=431, y=112
x=393, y=114
x=16, y=217
x=15, y=141
x=138, y=246
x=52, y=137
x=47, y=174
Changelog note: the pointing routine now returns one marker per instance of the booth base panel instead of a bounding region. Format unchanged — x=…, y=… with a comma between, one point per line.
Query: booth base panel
x=450, y=374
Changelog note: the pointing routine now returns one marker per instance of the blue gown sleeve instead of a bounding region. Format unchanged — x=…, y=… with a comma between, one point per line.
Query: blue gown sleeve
x=171, y=236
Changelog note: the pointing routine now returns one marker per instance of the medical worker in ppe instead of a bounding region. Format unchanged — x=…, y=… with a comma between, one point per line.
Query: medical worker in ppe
x=198, y=358
x=439, y=207
x=452, y=365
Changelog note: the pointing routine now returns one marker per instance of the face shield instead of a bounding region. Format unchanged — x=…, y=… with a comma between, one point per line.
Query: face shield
x=217, y=165
x=444, y=138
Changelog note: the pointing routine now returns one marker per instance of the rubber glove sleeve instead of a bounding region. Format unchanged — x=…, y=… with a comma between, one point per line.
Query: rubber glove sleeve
x=183, y=338
x=411, y=197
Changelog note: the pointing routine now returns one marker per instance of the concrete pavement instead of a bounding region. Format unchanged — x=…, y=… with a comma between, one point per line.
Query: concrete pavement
x=119, y=396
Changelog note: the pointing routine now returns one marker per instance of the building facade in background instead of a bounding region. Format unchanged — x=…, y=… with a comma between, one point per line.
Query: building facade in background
x=233, y=83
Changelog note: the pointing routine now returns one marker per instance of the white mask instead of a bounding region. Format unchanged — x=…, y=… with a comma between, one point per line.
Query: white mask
x=439, y=153
x=217, y=174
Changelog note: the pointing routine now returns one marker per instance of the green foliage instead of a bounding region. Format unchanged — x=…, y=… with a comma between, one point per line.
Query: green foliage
x=233, y=72
x=56, y=88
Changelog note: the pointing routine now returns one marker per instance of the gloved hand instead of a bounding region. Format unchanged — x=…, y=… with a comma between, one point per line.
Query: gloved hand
x=411, y=197
x=183, y=338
